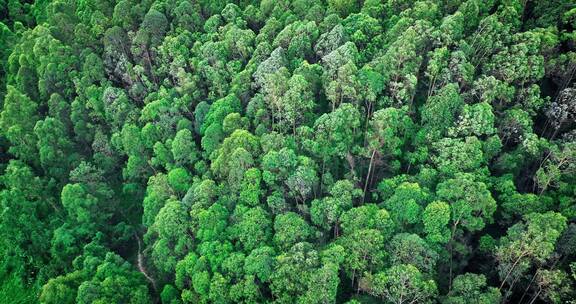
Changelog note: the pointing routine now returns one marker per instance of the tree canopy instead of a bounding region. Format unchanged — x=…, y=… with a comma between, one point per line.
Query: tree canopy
x=275, y=151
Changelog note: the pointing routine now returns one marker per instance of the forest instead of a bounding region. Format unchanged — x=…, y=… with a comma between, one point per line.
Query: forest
x=287, y=151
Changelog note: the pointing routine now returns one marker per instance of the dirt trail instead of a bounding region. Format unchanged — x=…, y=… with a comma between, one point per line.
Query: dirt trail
x=142, y=267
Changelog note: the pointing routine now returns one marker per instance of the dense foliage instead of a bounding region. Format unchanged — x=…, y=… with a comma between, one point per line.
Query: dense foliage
x=306, y=151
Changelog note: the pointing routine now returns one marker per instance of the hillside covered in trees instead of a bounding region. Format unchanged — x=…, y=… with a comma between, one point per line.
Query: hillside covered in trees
x=275, y=151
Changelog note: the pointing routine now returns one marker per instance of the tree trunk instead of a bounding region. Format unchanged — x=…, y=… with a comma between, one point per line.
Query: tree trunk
x=368, y=175
x=511, y=269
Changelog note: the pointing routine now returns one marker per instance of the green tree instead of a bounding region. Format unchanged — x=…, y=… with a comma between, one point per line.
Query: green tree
x=400, y=63
x=18, y=118
x=388, y=132
x=114, y=281
x=260, y=263
x=458, y=155
x=339, y=77
x=157, y=192
x=403, y=284
x=251, y=189
x=470, y=201
x=436, y=217
x=407, y=204
x=293, y=271
x=410, y=249
x=236, y=150
x=55, y=148
x=173, y=236
x=289, y=229
x=327, y=211
x=471, y=206
x=472, y=287
x=253, y=228
x=530, y=241
x=343, y=7
x=26, y=221
x=439, y=113
x=335, y=134
x=179, y=179
x=297, y=101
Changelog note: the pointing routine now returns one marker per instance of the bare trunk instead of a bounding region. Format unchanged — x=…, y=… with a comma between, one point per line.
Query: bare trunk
x=536, y=296
x=368, y=175
x=529, y=285
x=511, y=269
x=452, y=253
x=322, y=175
